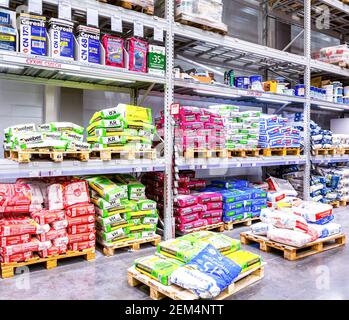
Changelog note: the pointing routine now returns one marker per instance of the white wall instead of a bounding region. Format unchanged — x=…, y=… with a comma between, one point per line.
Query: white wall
x=340, y=126
x=20, y=103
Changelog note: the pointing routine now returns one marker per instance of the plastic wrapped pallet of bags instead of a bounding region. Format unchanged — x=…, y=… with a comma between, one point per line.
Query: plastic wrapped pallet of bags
x=158, y=268
x=207, y=274
x=281, y=185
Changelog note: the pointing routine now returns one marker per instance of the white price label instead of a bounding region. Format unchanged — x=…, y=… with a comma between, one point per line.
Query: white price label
x=138, y=29
x=35, y=6
x=64, y=10
x=4, y=3
x=174, y=109
x=158, y=34
x=92, y=17
x=204, y=166
x=116, y=24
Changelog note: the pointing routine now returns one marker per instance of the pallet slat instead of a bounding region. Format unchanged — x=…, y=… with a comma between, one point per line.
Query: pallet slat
x=8, y=269
x=246, y=222
x=109, y=250
x=204, y=153
x=232, y=153
x=109, y=154
x=324, y=152
x=25, y=156
x=294, y=253
x=159, y=291
x=219, y=227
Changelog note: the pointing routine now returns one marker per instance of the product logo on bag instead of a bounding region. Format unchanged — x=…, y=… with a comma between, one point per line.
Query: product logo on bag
x=84, y=48
x=56, y=35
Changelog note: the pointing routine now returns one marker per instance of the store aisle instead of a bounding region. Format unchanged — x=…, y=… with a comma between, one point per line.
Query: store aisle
x=322, y=276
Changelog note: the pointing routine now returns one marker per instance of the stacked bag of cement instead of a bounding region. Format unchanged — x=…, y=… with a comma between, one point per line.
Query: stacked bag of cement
x=242, y=127
x=276, y=133
x=340, y=140
x=299, y=224
x=204, y=263
x=122, y=210
x=60, y=136
x=124, y=127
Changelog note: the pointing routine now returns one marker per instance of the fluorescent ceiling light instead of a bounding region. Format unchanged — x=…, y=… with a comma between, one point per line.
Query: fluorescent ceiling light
x=10, y=66
x=95, y=77
x=273, y=100
x=211, y=93
x=331, y=108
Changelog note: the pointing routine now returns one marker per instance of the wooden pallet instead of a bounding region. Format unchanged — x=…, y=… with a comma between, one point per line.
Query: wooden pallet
x=132, y=5
x=246, y=222
x=343, y=203
x=109, y=251
x=335, y=204
x=25, y=156
x=201, y=24
x=109, y=154
x=293, y=151
x=243, y=153
x=219, y=227
x=294, y=253
x=205, y=153
x=8, y=269
x=158, y=291
x=342, y=151
x=273, y=152
x=324, y=152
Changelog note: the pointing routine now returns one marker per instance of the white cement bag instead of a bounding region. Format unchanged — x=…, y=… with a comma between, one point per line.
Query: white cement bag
x=289, y=237
x=261, y=228
x=327, y=230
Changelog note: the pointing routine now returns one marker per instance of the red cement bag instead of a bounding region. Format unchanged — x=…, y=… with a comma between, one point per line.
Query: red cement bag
x=59, y=242
x=214, y=205
x=214, y=220
x=22, y=209
x=74, y=193
x=77, y=246
x=187, y=218
x=48, y=216
x=58, y=225
x=82, y=228
x=33, y=245
x=81, y=237
x=210, y=214
x=189, y=210
x=81, y=220
x=186, y=200
x=19, y=195
x=53, y=251
x=80, y=210
x=17, y=226
x=52, y=234
x=19, y=257
x=12, y=240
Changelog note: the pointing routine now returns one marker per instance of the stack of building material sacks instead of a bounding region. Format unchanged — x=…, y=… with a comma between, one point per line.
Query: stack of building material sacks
x=124, y=127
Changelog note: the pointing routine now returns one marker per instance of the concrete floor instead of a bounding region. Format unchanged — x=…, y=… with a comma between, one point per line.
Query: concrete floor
x=322, y=276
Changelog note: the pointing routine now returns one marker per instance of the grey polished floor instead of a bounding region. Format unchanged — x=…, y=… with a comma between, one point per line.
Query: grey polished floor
x=322, y=276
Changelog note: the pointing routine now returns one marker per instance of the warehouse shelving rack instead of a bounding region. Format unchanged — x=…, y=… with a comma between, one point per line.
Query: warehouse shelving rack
x=182, y=42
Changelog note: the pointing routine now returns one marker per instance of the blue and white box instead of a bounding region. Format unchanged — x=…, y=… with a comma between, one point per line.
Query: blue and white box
x=62, y=41
x=89, y=47
x=33, y=38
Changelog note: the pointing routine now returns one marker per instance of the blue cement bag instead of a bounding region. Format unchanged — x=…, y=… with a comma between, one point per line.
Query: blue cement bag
x=207, y=274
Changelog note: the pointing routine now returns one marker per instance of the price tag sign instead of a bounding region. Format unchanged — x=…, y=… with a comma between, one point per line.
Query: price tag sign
x=116, y=24
x=64, y=10
x=4, y=3
x=159, y=34
x=174, y=109
x=138, y=29
x=92, y=17
x=35, y=6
